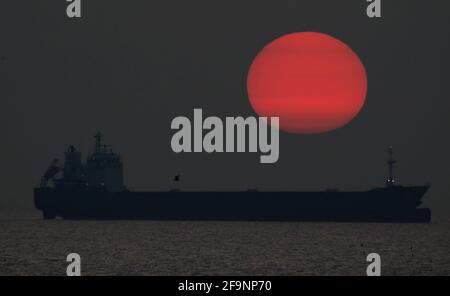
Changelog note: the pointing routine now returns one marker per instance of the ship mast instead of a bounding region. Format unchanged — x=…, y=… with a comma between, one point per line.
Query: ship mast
x=98, y=142
x=391, y=161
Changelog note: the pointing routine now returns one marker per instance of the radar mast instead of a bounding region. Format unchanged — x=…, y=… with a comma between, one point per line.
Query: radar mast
x=391, y=161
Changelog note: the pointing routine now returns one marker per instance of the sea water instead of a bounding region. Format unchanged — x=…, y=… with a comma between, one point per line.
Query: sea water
x=37, y=247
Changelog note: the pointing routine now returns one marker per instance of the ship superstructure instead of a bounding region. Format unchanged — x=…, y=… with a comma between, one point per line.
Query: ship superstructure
x=103, y=170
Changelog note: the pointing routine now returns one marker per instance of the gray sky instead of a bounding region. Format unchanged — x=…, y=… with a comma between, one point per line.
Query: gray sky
x=129, y=68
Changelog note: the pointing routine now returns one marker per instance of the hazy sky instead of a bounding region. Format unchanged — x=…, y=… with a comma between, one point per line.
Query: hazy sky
x=129, y=67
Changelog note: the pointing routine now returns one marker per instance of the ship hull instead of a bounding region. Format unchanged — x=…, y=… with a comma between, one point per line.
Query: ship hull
x=396, y=204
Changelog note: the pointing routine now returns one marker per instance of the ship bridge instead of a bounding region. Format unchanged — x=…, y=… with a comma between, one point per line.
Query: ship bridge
x=104, y=168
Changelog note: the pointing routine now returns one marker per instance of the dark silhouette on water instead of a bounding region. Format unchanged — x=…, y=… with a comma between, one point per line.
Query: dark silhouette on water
x=95, y=190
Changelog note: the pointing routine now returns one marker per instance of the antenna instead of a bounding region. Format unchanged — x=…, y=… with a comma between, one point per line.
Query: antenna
x=98, y=142
x=391, y=161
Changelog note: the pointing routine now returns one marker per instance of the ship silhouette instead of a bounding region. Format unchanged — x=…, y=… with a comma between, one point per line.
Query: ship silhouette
x=95, y=190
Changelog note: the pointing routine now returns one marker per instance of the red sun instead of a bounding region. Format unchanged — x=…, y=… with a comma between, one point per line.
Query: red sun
x=312, y=81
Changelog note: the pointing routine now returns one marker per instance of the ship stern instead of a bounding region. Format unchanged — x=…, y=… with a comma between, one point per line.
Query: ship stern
x=44, y=201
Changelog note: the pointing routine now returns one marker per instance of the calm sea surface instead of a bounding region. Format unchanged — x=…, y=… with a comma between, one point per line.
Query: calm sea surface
x=36, y=247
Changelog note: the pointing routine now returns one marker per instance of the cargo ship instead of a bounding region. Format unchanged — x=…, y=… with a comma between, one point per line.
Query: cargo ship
x=94, y=190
